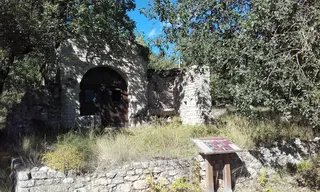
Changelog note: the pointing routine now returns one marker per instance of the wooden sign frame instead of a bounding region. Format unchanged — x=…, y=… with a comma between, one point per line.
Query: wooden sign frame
x=211, y=149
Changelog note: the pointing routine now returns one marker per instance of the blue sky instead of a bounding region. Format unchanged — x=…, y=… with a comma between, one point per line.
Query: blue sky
x=150, y=28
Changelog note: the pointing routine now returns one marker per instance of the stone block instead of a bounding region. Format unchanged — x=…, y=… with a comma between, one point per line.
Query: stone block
x=173, y=172
x=100, y=175
x=111, y=174
x=131, y=177
x=138, y=171
x=131, y=172
x=22, y=189
x=81, y=190
x=39, y=175
x=49, y=188
x=25, y=184
x=140, y=185
x=68, y=180
x=157, y=170
x=23, y=175
x=43, y=182
x=79, y=184
x=102, y=181
x=121, y=173
x=124, y=187
x=44, y=169
x=144, y=165
x=118, y=180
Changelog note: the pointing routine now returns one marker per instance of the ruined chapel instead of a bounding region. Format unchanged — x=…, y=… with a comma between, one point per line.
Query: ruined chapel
x=114, y=91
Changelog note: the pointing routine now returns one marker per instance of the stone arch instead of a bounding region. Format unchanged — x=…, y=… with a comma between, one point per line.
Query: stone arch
x=103, y=92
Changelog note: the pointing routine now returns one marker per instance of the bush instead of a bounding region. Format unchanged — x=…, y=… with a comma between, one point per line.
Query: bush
x=309, y=172
x=179, y=185
x=73, y=151
x=64, y=158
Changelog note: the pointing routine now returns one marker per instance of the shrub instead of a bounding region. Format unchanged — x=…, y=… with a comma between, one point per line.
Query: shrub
x=178, y=185
x=64, y=158
x=73, y=151
x=309, y=172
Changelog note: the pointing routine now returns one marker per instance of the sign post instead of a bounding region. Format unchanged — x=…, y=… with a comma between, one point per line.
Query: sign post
x=212, y=150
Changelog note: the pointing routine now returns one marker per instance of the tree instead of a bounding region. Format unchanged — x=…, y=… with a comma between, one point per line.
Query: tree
x=266, y=50
x=156, y=61
x=40, y=26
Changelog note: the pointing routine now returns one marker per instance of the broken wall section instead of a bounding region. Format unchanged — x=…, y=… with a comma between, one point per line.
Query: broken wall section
x=183, y=92
x=192, y=95
x=161, y=96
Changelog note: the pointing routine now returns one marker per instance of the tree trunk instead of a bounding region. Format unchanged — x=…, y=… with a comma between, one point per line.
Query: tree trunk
x=6, y=62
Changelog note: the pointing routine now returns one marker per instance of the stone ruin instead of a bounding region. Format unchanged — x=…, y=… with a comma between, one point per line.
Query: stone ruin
x=119, y=91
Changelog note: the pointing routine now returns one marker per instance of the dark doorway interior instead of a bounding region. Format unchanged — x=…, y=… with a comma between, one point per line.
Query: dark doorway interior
x=104, y=93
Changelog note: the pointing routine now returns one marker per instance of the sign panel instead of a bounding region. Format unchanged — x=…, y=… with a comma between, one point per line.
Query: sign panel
x=216, y=145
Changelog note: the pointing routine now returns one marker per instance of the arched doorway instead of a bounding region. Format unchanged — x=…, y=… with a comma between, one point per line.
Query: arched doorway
x=104, y=92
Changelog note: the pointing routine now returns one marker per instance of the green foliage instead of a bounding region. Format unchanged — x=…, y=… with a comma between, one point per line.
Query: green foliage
x=309, y=172
x=64, y=158
x=73, y=151
x=263, y=177
x=220, y=90
x=266, y=52
x=179, y=185
x=25, y=75
x=183, y=185
x=264, y=180
x=159, y=62
x=155, y=61
x=39, y=27
x=80, y=140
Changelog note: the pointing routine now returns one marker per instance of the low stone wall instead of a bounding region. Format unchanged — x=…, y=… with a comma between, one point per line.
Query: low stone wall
x=132, y=177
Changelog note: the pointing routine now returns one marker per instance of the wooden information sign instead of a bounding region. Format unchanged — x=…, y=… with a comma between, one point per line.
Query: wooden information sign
x=211, y=150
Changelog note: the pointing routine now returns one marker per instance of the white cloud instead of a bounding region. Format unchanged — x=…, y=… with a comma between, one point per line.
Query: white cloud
x=152, y=33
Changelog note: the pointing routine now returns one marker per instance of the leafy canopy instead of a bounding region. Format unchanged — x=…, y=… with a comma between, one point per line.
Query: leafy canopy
x=38, y=27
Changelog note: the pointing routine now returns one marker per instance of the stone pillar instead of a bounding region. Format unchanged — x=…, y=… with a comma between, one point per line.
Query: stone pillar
x=193, y=95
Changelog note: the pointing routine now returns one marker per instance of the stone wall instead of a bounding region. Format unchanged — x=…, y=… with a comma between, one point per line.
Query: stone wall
x=130, y=177
x=161, y=96
x=183, y=92
x=77, y=58
x=37, y=113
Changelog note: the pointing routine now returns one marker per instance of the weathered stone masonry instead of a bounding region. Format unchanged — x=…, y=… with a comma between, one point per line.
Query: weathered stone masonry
x=180, y=92
x=184, y=92
x=76, y=60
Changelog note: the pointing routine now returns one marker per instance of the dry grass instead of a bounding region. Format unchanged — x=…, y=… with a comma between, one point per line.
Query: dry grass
x=247, y=133
x=149, y=142
x=172, y=140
